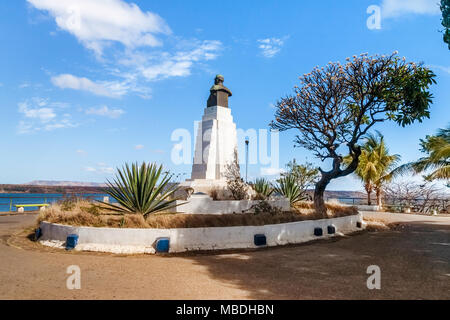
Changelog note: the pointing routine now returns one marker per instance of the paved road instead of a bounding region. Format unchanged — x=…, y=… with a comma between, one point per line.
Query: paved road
x=414, y=261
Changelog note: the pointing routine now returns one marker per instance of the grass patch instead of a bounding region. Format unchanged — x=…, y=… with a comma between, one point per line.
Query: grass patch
x=83, y=213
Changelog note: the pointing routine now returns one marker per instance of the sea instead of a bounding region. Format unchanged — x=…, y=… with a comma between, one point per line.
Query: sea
x=9, y=200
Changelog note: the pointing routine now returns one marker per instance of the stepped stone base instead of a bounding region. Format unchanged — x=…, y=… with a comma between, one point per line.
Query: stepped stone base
x=205, y=186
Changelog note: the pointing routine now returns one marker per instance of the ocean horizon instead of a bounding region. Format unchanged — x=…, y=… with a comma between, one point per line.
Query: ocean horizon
x=8, y=201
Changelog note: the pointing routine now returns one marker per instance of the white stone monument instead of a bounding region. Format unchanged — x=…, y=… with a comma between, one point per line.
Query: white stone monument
x=216, y=142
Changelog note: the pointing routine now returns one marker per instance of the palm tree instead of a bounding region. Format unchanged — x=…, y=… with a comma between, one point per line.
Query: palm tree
x=438, y=159
x=141, y=190
x=375, y=165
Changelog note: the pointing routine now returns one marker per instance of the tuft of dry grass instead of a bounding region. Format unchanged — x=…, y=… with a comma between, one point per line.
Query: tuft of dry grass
x=84, y=213
x=334, y=210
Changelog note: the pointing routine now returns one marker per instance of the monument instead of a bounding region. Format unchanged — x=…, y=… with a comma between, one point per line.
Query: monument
x=216, y=142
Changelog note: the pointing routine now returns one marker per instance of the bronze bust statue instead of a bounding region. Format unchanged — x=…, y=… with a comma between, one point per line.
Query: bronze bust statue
x=219, y=93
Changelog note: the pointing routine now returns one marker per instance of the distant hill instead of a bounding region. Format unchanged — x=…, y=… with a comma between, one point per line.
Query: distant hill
x=43, y=186
x=65, y=183
x=64, y=189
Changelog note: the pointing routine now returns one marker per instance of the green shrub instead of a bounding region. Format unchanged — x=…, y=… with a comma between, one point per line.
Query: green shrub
x=263, y=189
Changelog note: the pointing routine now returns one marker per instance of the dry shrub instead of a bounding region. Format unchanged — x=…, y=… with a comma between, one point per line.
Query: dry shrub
x=172, y=221
x=214, y=194
x=334, y=210
x=84, y=213
x=374, y=226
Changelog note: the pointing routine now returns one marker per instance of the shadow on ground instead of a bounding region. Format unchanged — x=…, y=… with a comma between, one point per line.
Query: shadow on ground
x=414, y=259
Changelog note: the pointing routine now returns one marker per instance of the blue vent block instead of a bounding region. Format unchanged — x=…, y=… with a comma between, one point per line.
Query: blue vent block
x=331, y=229
x=162, y=245
x=260, y=240
x=72, y=241
x=358, y=225
x=37, y=234
x=318, y=232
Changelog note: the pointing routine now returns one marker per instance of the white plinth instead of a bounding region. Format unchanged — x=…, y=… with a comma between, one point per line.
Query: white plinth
x=216, y=144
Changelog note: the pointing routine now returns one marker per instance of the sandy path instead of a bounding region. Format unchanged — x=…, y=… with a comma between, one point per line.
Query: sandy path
x=414, y=262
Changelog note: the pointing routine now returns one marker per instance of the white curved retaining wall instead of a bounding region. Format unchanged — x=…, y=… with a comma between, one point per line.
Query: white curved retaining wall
x=193, y=239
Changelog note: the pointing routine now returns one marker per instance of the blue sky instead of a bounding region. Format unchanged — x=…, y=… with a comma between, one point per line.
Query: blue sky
x=88, y=85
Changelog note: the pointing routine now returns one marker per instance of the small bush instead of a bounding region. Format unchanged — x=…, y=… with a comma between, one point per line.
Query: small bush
x=265, y=207
x=69, y=203
x=263, y=189
x=214, y=194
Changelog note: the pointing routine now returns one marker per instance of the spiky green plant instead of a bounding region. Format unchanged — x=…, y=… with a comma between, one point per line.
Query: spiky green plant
x=262, y=187
x=141, y=189
x=288, y=187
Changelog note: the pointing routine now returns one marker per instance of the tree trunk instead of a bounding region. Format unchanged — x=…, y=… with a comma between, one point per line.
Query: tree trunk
x=319, y=201
x=336, y=172
x=369, y=192
x=378, y=192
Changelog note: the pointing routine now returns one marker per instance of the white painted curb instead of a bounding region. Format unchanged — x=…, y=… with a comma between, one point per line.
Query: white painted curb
x=132, y=241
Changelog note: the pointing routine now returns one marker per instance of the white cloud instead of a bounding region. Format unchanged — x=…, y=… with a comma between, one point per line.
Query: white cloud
x=396, y=8
x=24, y=85
x=101, y=169
x=271, y=171
x=98, y=23
x=108, y=170
x=141, y=58
x=42, y=115
x=139, y=147
x=104, y=111
x=81, y=152
x=270, y=47
x=168, y=65
x=441, y=68
x=106, y=89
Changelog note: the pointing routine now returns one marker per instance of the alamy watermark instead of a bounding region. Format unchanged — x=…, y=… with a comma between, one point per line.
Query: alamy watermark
x=374, y=280
x=73, y=282
x=263, y=147
x=73, y=21
x=374, y=20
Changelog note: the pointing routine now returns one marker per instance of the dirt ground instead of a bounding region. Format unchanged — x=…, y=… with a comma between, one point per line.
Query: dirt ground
x=414, y=258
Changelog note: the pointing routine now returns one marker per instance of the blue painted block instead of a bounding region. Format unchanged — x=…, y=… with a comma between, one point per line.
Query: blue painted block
x=260, y=240
x=37, y=234
x=163, y=245
x=72, y=241
x=318, y=232
x=331, y=229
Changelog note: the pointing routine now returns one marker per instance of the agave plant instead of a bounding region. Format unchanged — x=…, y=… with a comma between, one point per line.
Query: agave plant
x=288, y=187
x=141, y=189
x=262, y=187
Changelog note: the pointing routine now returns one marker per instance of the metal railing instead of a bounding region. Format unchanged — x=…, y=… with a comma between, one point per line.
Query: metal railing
x=8, y=203
x=399, y=204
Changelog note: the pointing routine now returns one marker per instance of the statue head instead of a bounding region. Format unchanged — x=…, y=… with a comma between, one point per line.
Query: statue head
x=219, y=79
